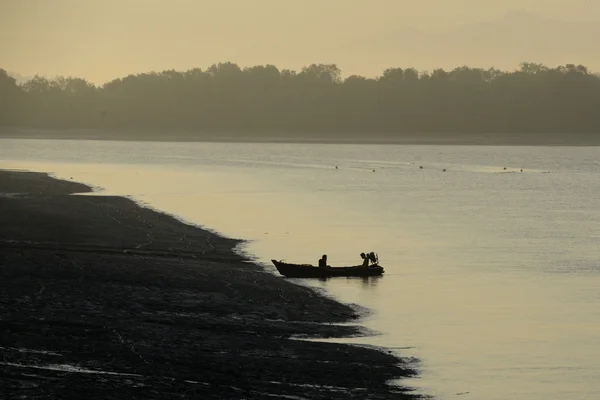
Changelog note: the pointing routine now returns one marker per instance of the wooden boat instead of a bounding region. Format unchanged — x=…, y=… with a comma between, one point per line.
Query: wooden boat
x=310, y=271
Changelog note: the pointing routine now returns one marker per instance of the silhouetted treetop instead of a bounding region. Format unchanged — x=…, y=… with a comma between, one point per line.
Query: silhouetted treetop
x=224, y=97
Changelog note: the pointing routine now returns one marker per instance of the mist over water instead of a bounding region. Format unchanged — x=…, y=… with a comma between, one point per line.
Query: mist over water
x=492, y=274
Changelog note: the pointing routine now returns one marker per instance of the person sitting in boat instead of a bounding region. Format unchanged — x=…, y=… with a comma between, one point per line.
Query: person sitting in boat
x=365, y=259
x=323, y=261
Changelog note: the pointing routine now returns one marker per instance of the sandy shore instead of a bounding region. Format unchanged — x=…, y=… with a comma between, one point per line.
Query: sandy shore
x=101, y=298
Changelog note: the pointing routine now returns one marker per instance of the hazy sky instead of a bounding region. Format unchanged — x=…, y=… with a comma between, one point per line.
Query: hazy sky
x=104, y=39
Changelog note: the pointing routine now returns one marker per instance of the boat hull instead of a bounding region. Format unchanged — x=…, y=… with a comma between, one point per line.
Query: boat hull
x=310, y=271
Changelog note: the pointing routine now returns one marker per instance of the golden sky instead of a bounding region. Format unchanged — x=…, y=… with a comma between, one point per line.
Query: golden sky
x=104, y=39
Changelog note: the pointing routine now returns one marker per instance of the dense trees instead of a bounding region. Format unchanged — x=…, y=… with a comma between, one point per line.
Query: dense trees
x=225, y=97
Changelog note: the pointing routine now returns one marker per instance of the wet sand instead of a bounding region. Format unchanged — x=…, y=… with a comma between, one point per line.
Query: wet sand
x=102, y=298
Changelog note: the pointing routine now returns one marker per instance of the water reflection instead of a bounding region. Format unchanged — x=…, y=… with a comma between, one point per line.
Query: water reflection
x=366, y=282
x=370, y=282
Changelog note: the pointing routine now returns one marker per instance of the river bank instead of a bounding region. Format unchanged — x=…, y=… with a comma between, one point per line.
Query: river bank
x=101, y=296
x=439, y=138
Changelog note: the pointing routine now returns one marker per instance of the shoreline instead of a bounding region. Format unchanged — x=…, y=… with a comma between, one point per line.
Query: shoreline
x=102, y=295
x=442, y=139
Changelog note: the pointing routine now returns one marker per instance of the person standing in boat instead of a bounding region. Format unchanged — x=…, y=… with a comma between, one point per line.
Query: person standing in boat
x=323, y=261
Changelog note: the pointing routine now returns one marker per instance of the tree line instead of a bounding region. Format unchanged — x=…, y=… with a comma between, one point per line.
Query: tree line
x=224, y=97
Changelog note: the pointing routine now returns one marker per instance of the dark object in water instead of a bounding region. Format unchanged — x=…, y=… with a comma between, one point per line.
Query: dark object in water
x=310, y=271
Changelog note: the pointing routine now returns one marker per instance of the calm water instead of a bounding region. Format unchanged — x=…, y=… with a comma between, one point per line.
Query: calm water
x=492, y=276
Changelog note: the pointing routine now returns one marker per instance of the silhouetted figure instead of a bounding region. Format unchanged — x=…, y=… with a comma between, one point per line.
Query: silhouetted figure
x=365, y=259
x=323, y=261
x=336, y=167
x=373, y=257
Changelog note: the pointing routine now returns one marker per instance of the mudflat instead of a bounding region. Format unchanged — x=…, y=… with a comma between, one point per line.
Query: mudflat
x=103, y=299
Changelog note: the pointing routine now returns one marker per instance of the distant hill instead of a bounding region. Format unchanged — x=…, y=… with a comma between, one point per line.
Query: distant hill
x=504, y=43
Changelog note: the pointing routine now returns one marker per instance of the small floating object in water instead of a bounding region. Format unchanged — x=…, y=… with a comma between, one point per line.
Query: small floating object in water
x=420, y=167
x=336, y=167
x=521, y=169
x=444, y=170
x=505, y=168
x=373, y=170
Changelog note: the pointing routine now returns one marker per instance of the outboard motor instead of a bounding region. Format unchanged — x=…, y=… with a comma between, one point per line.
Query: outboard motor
x=373, y=257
